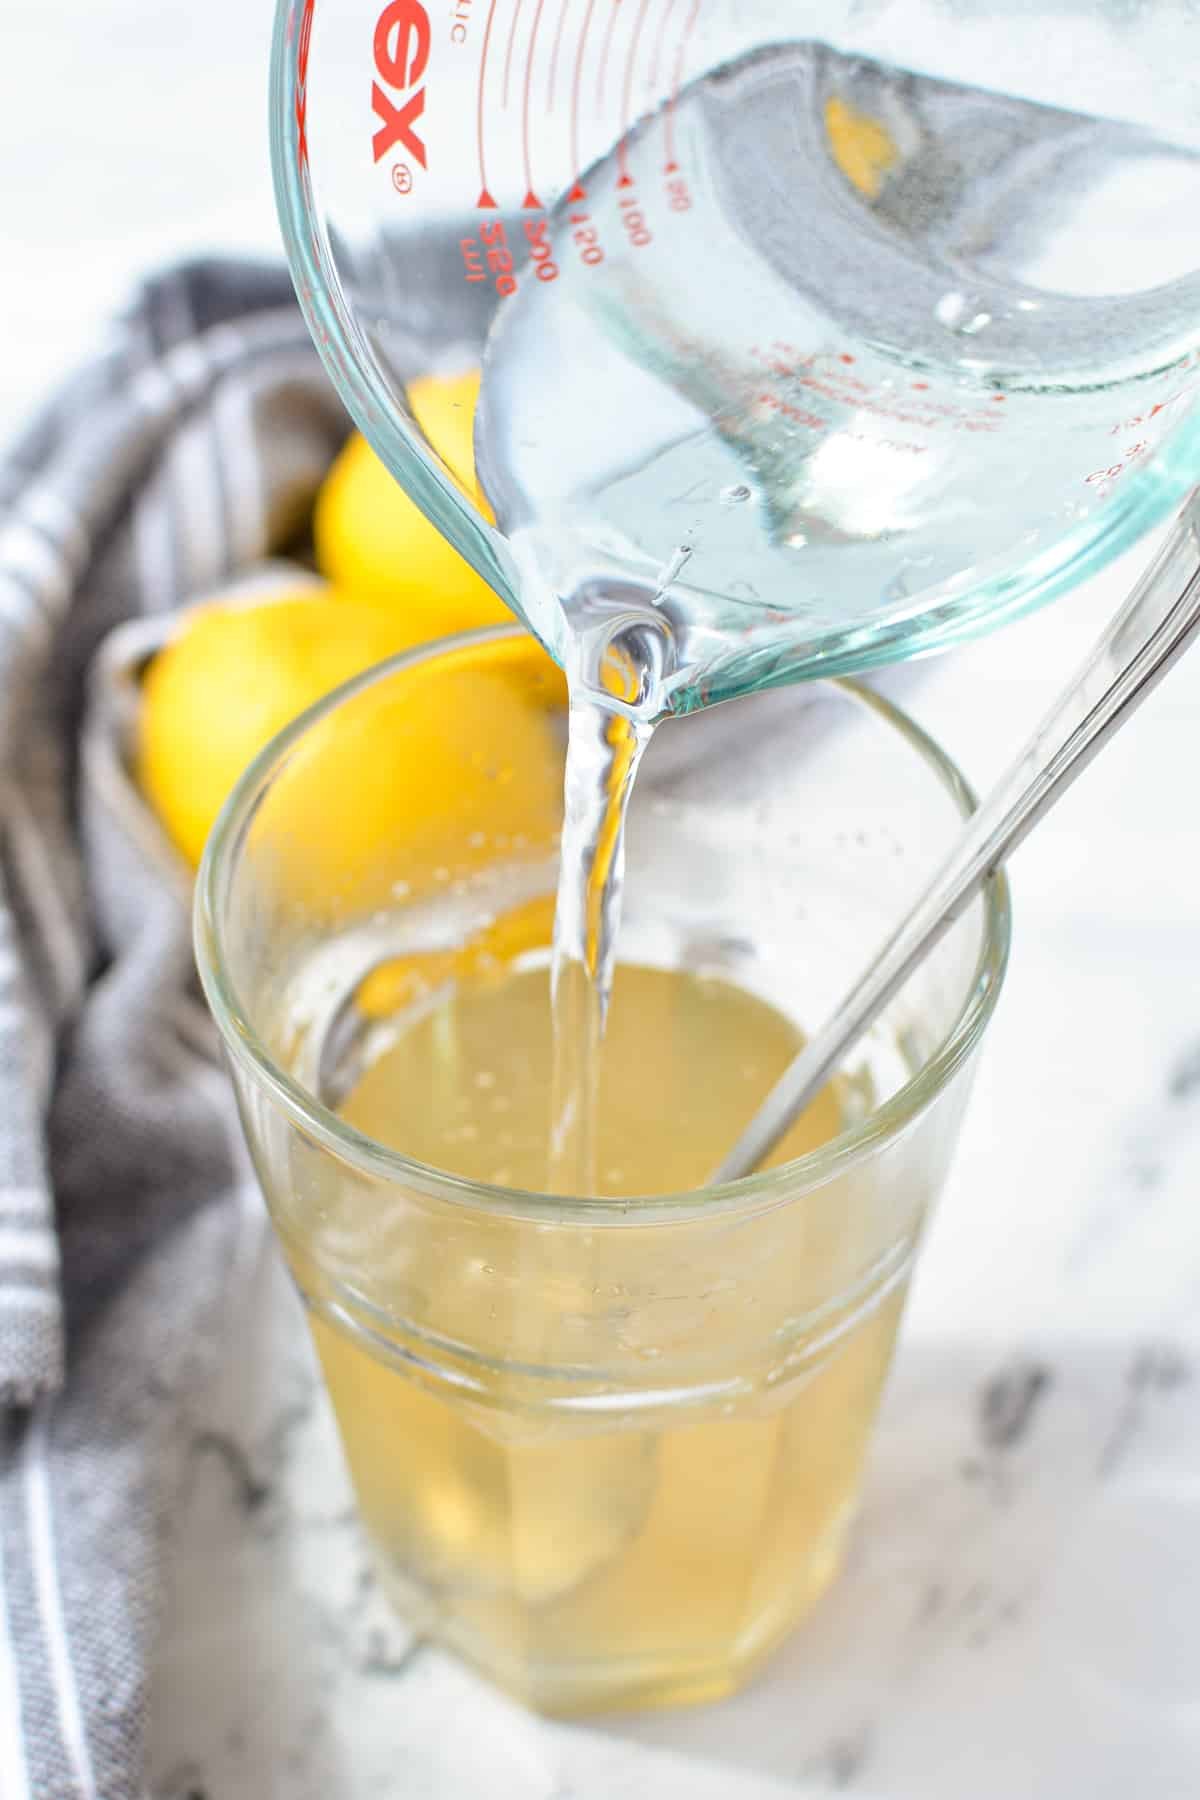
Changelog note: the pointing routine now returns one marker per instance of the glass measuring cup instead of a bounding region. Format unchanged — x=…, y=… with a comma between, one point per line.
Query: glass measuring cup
x=820, y=334
x=607, y=1451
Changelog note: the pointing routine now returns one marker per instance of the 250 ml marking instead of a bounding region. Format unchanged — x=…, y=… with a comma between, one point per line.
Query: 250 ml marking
x=493, y=261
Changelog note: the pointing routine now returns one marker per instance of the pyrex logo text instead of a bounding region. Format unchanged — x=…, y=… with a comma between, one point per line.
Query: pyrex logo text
x=401, y=53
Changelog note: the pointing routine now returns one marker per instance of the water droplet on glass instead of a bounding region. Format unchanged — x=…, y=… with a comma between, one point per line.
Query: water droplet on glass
x=671, y=570
x=960, y=314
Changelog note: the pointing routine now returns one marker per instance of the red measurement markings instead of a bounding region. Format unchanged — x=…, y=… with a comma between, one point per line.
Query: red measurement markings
x=1144, y=418
x=577, y=191
x=485, y=196
x=531, y=201
x=558, y=38
x=632, y=216
x=627, y=90
x=1102, y=477
x=659, y=37
x=544, y=265
x=508, y=54
x=829, y=377
x=488, y=257
x=586, y=239
x=797, y=414
x=676, y=83
x=604, y=50
x=301, y=109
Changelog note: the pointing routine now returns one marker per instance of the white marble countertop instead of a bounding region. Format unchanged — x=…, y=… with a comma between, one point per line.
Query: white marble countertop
x=1021, y=1610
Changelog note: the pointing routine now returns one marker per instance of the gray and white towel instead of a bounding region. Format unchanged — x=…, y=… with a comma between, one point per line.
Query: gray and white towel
x=187, y=451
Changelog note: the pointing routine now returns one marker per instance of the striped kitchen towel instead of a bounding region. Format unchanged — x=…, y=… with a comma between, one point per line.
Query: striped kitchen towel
x=187, y=450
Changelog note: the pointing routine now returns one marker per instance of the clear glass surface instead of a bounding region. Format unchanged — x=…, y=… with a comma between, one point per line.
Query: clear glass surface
x=830, y=333
x=607, y=1448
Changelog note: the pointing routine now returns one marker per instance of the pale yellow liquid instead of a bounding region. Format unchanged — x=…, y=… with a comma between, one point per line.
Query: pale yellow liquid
x=621, y=1553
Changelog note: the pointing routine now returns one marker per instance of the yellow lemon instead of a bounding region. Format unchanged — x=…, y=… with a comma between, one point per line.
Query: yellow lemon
x=862, y=147
x=427, y=778
x=444, y=408
x=484, y=959
x=374, y=542
x=233, y=676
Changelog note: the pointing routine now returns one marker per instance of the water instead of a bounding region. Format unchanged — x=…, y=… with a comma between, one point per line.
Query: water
x=604, y=749
x=561, y=1544
x=879, y=340
x=832, y=345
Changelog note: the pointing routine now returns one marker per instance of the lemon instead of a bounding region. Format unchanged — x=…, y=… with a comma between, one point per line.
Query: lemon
x=231, y=678
x=863, y=148
x=484, y=959
x=444, y=408
x=427, y=778
x=374, y=542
